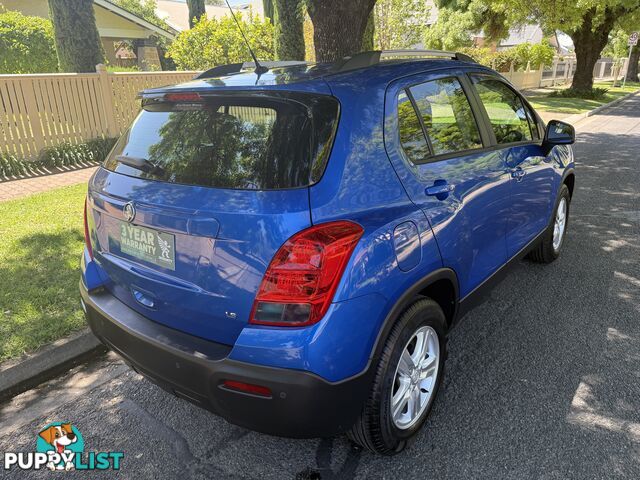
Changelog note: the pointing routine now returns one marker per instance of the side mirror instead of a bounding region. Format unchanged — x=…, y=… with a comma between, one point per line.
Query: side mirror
x=559, y=133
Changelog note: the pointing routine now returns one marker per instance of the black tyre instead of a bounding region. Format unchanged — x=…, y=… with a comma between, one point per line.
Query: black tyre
x=551, y=244
x=407, y=380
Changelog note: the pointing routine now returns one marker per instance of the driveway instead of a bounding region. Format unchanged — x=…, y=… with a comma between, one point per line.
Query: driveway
x=543, y=380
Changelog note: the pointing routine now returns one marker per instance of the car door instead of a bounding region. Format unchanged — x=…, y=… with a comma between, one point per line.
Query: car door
x=437, y=147
x=517, y=135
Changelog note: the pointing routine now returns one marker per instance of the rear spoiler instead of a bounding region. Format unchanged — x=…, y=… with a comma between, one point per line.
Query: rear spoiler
x=232, y=68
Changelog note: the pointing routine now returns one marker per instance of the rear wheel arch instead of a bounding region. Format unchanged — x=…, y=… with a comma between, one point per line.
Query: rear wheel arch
x=441, y=286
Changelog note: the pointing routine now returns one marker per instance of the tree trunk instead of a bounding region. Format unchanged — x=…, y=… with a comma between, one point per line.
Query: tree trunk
x=632, y=71
x=78, y=43
x=338, y=27
x=589, y=41
x=289, y=23
x=196, y=11
x=269, y=9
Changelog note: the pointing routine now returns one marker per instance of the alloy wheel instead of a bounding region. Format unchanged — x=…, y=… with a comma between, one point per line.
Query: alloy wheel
x=415, y=378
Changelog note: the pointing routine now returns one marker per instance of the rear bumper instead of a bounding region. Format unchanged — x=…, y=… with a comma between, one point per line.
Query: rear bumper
x=302, y=404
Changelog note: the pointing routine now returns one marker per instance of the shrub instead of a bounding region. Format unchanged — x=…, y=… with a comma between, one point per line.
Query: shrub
x=26, y=44
x=63, y=155
x=11, y=165
x=69, y=154
x=218, y=42
x=537, y=55
x=593, y=94
x=541, y=55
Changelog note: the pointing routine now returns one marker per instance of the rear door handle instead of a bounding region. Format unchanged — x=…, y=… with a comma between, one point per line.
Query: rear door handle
x=439, y=189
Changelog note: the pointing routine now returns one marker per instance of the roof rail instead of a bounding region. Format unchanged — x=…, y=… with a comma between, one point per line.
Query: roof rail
x=367, y=59
x=232, y=68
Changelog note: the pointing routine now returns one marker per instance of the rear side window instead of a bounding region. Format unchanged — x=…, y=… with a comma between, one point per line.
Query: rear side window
x=412, y=137
x=447, y=116
x=242, y=142
x=507, y=113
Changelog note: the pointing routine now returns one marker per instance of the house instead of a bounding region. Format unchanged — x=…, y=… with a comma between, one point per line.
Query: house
x=176, y=13
x=115, y=25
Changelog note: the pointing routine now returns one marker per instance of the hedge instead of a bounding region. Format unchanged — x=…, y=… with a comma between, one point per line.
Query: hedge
x=26, y=44
x=63, y=155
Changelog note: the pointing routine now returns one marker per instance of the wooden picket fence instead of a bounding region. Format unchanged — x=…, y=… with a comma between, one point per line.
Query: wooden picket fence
x=41, y=110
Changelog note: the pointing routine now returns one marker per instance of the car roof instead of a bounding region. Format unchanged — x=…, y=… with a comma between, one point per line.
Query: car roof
x=312, y=77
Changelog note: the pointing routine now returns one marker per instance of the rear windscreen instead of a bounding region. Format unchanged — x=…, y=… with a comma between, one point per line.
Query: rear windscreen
x=243, y=142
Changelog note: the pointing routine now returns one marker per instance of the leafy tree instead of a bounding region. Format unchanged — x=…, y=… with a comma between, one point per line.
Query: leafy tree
x=399, y=23
x=617, y=46
x=338, y=26
x=452, y=31
x=196, y=11
x=218, y=42
x=587, y=22
x=492, y=21
x=289, y=32
x=77, y=39
x=26, y=44
x=309, y=47
x=144, y=9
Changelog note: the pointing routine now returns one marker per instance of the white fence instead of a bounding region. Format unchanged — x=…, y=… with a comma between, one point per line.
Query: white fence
x=562, y=71
x=42, y=110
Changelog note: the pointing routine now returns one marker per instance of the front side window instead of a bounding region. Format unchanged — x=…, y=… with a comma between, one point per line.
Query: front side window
x=506, y=111
x=447, y=116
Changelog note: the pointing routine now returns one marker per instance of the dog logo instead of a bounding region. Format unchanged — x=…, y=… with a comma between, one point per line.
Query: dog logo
x=63, y=439
x=129, y=212
x=60, y=446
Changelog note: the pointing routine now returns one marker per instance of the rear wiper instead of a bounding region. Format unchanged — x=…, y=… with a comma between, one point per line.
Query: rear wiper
x=139, y=163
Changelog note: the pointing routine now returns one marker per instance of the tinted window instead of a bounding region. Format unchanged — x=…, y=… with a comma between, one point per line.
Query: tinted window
x=505, y=109
x=412, y=137
x=231, y=142
x=447, y=116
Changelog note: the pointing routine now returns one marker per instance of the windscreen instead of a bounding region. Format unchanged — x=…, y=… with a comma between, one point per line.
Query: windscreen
x=253, y=142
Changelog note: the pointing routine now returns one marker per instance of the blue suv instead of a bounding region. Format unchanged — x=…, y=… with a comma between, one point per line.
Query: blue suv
x=289, y=248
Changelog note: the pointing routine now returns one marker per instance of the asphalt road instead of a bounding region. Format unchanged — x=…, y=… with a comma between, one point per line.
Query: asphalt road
x=543, y=380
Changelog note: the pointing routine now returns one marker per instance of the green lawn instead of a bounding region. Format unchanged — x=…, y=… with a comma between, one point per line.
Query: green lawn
x=41, y=240
x=542, y=102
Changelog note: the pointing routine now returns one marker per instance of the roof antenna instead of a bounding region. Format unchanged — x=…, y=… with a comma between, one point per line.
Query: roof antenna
x=259, y=68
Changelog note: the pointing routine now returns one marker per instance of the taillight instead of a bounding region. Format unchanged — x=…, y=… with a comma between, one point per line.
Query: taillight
x=183, y=97
x=87, y=237
x=299, y=284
